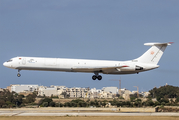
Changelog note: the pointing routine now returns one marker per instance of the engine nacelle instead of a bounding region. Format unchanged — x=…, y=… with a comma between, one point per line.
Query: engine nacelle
x=138, y=67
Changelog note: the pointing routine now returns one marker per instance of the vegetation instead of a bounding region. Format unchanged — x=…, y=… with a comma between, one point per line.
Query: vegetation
x=162, y=95
x=12, y=99
x=167, y=91
x=47, y=102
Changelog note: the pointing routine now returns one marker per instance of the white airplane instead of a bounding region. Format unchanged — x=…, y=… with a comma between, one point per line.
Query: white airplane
x=147, y=61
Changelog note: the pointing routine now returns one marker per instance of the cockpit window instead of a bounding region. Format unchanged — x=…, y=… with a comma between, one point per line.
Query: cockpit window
x=9, y=61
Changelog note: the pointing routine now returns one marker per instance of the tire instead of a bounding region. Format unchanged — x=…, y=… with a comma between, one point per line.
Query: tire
x=99, y=77
x=18, y=75
x=94, y=77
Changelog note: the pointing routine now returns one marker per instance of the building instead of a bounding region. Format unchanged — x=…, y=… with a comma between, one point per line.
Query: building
x=113, y=90
x=51, y=91
x=77, y=92
x=1, y=89
x=126, y=93
x=94, y=93
x=145, y=94
x=106, y=94
x=22, y=88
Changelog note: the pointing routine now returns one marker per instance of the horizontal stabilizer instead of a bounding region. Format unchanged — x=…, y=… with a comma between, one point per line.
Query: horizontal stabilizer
x=157, y=44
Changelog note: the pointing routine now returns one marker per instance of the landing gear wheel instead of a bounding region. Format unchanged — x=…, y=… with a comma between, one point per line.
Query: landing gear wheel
x=18, y=75
x=94, y=77
x=99, y=77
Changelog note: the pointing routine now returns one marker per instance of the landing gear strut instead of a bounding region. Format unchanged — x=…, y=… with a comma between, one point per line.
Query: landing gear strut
x=99, y=77
x=18, y=74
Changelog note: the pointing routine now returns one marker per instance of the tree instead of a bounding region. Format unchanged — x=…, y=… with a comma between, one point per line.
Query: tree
x=10, y=99
x=92, y=103
x=44, y=104
x=58, y=105
x=47, y=100
x=52, y=104
x=78, y=103
x=138, y=103
x=177, y=100
x=31, y=97
x=114, y=102
x=2, y=102
x=165, y=91
x=132, y=99
x=149, y=103
x=103, y=103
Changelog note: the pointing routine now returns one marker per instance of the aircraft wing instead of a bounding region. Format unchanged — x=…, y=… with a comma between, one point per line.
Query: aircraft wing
x=106, y=68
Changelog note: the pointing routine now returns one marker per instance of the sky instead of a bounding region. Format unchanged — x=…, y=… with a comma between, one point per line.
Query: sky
x=89, y=29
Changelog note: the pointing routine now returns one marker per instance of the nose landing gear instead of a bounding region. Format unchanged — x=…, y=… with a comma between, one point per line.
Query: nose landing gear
x=96, y=76
x=18, y=74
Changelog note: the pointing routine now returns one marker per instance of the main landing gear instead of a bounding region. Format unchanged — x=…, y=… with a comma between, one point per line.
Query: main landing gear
x=99, y=77
x=18, y=74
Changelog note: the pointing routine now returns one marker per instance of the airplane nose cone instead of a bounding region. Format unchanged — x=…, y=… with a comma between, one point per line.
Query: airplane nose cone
x=5, y=64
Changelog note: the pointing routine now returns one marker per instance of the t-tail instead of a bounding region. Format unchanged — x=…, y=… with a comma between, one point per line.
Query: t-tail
x=153, y=55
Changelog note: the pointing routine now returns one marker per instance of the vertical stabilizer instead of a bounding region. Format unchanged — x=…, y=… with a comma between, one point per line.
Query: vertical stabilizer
x=153, y=55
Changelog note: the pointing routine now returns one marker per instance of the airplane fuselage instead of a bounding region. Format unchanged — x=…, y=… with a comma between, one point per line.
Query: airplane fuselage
x=147, y=61
x=77, y=65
